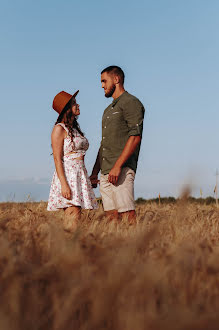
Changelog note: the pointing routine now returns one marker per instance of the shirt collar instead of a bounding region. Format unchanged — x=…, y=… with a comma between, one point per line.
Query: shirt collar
x=118, y=98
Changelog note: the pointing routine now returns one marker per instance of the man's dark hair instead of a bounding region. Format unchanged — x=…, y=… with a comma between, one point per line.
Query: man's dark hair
x=116, y=70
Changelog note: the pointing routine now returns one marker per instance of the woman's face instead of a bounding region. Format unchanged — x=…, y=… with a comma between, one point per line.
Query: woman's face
x=75, y=109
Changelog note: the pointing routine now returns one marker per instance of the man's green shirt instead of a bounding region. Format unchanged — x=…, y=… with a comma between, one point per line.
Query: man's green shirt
x=121, y=119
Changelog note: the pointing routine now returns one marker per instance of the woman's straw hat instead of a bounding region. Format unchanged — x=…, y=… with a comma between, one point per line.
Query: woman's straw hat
x=61, y=100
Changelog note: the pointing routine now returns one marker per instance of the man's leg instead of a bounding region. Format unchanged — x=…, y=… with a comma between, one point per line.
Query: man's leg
x=112, y=215
x=124, y=195
x=130, y=216
x=107, y=198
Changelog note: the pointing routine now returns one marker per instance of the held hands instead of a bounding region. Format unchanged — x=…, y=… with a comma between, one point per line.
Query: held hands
x=114, y=174
x=66, y=191
x=94, y=180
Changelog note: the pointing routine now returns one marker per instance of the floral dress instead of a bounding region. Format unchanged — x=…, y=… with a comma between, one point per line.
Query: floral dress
x=82, y=193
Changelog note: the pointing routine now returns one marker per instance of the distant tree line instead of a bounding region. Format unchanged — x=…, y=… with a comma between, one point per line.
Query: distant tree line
x=167, y=200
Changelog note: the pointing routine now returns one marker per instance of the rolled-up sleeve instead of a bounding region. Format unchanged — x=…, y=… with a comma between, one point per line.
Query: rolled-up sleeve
x=134, y=115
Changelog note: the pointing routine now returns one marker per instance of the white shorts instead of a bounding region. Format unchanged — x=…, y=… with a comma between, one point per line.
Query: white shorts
x=118, y=197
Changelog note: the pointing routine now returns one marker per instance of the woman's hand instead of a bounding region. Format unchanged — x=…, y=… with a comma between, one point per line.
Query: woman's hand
x=66, y=191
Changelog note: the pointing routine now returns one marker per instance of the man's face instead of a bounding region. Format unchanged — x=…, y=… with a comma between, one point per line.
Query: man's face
x=107, y=81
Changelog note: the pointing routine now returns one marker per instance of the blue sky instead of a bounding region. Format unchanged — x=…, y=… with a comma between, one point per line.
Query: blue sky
x=169, y=51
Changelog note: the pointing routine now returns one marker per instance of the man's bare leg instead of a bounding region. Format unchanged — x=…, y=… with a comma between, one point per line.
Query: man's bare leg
x=112, y=215
x=130, y=215
x=72, y=215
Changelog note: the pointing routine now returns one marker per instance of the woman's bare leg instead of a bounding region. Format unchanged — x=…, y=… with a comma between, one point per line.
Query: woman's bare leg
x=72, y=215
x=74, y=211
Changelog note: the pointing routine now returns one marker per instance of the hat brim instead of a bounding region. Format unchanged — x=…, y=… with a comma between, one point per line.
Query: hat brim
x=64, y=109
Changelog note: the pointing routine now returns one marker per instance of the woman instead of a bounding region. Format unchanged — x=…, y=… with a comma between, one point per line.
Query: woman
x=71, y=188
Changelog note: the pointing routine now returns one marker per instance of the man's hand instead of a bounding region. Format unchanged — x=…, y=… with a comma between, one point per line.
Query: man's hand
x=94, y=180
x=96, y=169
x=114, y=174
x=128, y=150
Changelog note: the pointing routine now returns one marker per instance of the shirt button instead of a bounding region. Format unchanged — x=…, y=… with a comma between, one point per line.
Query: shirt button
x=108, y=117
x=104, y=126
x=103, y=137
x=104, y=149
x=103, y=158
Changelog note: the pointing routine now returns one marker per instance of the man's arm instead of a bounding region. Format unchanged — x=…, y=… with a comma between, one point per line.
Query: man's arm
x=131, y=144
x=133, y=114
x=96, y=169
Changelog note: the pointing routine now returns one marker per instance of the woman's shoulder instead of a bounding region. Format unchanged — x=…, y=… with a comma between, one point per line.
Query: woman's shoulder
x=59, y=129
x=61, y=125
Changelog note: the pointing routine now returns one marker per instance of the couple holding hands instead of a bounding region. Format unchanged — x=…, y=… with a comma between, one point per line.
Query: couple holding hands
x=117, y=158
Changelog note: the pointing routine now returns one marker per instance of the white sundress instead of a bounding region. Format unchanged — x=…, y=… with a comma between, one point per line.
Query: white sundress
x=76, y=174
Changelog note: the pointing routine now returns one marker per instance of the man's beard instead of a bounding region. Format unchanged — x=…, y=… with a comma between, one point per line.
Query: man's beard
x=111, y=91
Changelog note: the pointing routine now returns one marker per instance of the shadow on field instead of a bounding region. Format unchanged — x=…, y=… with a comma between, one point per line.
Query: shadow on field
x=160, y=274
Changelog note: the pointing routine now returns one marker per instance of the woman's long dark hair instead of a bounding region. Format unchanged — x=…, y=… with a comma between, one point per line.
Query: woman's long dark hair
x=69, y=119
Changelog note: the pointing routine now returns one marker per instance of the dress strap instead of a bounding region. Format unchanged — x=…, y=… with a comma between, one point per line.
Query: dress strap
x=63, y=125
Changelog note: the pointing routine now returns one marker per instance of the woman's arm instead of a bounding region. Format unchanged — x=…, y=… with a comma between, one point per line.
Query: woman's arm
x=58, y=135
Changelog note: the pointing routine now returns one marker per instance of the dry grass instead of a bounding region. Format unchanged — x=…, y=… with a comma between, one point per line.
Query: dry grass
x=161, y=274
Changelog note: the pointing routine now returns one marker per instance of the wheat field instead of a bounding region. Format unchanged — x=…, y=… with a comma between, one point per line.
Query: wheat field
x=162, y=273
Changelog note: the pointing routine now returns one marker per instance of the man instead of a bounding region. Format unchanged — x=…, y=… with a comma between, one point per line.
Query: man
x=122, y=126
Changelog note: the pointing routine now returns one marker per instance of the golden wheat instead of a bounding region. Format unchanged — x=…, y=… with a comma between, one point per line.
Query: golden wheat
x=162, y=273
